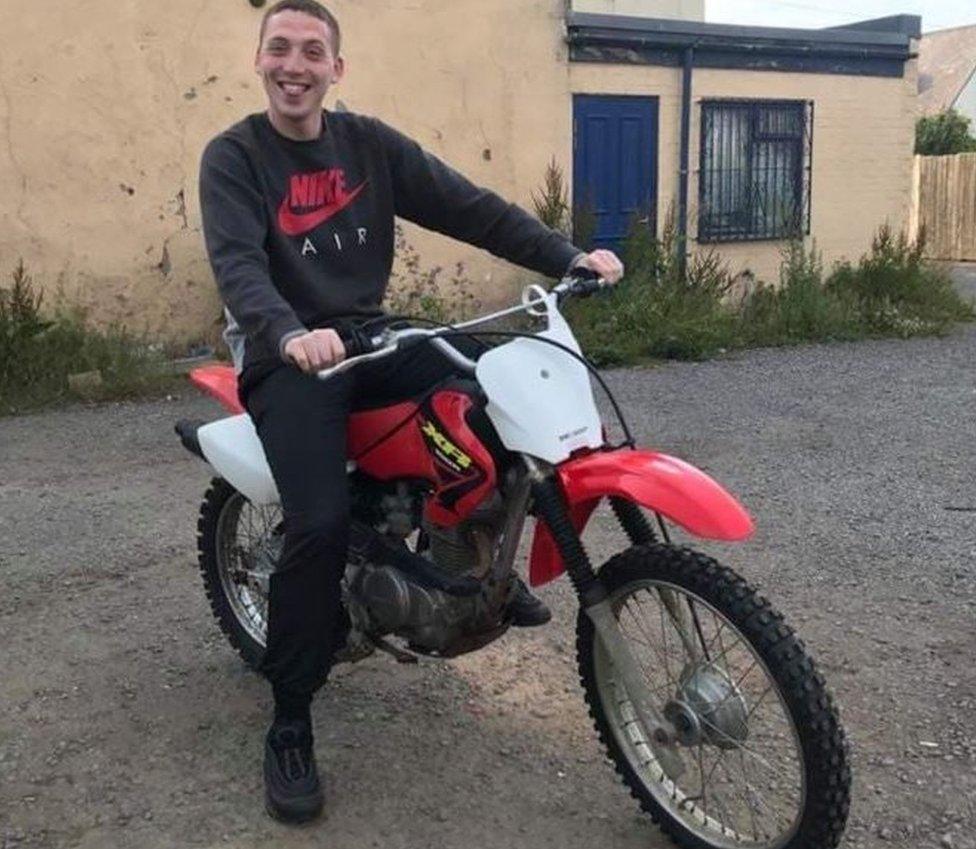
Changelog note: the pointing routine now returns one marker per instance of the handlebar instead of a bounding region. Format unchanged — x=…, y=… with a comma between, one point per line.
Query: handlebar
x=580, y=284
x=361, y=347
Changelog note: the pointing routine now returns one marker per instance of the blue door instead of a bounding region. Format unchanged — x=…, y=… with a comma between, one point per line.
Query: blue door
x=614, y=165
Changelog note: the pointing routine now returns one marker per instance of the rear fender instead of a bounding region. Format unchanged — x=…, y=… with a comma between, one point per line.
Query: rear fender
x=233, y=448
x=666, y=485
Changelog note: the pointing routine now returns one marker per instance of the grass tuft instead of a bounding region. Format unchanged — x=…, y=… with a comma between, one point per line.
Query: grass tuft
x=39, y=351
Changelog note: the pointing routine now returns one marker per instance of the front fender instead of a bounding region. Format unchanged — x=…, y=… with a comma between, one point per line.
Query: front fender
x=663, y=484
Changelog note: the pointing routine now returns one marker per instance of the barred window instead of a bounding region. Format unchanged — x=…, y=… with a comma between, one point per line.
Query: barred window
x=754, y=181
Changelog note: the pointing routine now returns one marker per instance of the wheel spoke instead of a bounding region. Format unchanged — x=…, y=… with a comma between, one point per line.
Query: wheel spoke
x=698, y=628
x=701, y=778
x=749, y=807
x=758, y=701
x=742, y=747
x=667, y=648
x=648, y=678
x=723, y=651
x=650, y=644
x=675, y=613
x=719, y=628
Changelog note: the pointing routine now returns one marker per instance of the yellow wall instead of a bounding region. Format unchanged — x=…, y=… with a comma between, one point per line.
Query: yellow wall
x=105, y=107
x=690, y=10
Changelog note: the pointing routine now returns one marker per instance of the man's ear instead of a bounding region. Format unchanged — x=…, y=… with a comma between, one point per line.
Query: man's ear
x=339, y=69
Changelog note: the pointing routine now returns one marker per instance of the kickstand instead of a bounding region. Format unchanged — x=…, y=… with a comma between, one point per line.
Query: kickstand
x=400, y=655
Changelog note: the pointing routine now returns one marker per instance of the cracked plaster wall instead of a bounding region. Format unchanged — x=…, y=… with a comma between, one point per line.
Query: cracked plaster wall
x=106, y=106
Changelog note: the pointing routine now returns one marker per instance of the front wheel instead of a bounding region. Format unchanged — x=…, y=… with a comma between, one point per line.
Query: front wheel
x=765, y=760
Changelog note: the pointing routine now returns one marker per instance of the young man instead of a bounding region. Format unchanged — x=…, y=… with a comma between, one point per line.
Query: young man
x=298, y=215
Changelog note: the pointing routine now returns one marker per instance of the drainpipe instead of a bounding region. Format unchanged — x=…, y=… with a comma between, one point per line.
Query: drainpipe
x=682, y=246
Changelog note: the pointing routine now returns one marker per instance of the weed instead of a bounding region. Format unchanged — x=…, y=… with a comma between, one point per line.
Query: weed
x=801, y=309
x=896, y=292
x=416, y=291
x=551, y=202
x=38, y=352
x=657, y=312
x=654, y=311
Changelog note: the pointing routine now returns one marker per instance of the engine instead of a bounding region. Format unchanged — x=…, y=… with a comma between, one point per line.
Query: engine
x=443, y=600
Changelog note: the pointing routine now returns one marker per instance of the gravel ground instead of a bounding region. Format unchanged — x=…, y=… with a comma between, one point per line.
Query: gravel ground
x=964, y=276
x=125, y=719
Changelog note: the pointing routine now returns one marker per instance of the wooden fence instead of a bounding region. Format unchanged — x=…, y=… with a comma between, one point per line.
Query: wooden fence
x=944, y=203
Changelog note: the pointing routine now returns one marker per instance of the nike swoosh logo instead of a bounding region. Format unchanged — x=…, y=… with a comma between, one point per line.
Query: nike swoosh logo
x=298, y=224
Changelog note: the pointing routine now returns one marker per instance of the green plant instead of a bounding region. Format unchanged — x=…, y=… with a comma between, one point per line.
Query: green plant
x=38, y=352
x=947, y=132
x=800, y=309
x=20, y=323
x=655, y=311
x=551, y=201
x=417, y=291
x=584, y=223
x=895, y=291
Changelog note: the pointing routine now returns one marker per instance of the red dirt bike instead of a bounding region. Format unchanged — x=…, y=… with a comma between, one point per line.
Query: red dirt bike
x=707, y=703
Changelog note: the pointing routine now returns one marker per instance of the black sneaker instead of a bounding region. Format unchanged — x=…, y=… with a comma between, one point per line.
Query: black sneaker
x=292, y=792
x=527, y=610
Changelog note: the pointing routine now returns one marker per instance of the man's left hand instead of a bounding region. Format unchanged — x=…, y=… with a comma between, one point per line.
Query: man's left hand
x=605, y=263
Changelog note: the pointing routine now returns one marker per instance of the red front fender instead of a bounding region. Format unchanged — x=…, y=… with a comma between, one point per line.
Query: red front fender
x=666, y=485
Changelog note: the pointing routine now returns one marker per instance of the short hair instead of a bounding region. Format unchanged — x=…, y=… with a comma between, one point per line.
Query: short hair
x=308, y=7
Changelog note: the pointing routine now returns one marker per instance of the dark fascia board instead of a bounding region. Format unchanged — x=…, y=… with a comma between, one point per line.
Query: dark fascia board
x=656, y=41
x=910, y=25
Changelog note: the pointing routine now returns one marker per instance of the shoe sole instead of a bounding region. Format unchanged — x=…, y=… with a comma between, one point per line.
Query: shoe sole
x=298, y=812
x=535, y=623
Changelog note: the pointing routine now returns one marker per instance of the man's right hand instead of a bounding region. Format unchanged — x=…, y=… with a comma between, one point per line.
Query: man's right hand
x=315, y=350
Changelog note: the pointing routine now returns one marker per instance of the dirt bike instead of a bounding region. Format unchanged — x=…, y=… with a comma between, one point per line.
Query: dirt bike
x=708, y=705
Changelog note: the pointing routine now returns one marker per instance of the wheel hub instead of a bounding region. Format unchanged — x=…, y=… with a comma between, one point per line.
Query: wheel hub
x=708, y=708
x=687, y=728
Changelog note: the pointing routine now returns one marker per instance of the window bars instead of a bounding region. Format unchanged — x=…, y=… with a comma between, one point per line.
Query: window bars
x=755, y=166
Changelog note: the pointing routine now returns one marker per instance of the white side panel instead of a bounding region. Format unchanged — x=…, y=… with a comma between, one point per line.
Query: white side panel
x=539, y=398
x=233, y=448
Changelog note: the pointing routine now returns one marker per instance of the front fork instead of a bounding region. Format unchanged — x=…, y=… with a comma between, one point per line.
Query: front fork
x=550, y=505
x=639, y=531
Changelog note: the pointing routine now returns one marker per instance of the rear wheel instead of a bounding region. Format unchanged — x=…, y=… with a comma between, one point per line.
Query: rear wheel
x=765, y=760
x=238, y=544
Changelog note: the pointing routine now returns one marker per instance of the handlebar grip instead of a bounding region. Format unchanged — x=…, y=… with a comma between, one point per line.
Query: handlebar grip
x=585, y=288
x=356, y=342
x=581, y=272
x=584, y=282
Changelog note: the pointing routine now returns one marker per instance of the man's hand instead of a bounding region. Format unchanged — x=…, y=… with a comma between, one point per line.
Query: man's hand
x=315, y=350
x=605, y=263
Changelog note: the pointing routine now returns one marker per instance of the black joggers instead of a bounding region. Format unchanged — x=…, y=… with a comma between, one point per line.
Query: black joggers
x=301, y=421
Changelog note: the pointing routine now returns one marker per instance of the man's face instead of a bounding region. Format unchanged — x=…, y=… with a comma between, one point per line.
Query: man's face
x=297, y=65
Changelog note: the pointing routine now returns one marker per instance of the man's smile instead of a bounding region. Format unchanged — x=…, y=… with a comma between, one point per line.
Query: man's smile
x=293, y=88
